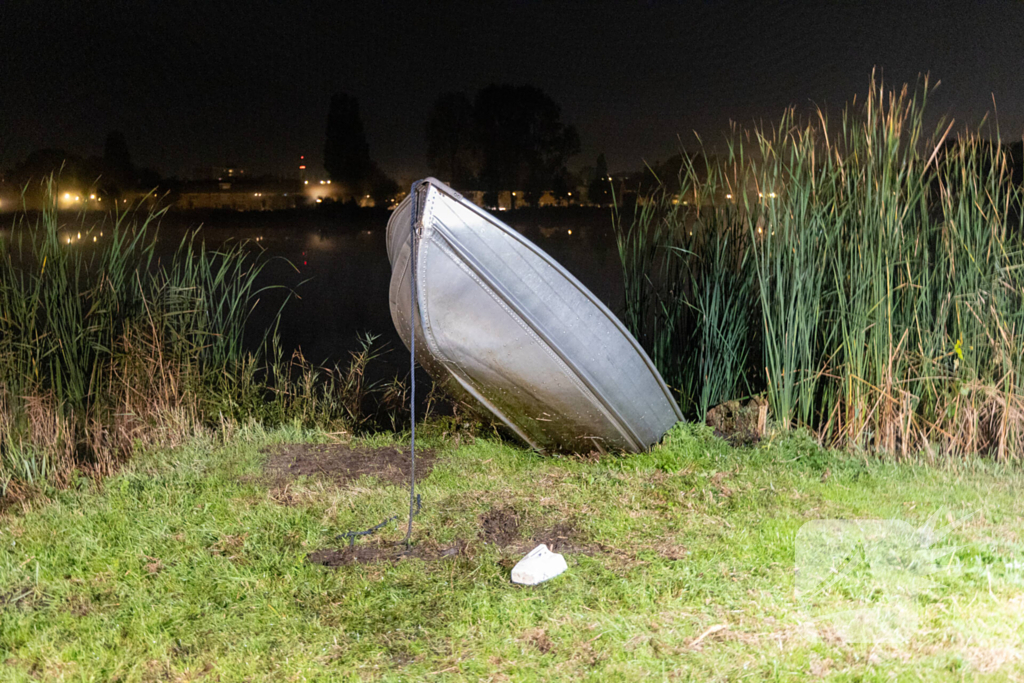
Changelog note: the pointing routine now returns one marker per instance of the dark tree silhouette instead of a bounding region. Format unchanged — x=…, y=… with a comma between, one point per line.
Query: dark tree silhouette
x=346, y=153
x=70, y=171
x=115, y=154
x=562, y=186
x=117, y=173
x=450, y=139
x=380, y=186
x=41, y=163
x=522, y=140
x=600, y=190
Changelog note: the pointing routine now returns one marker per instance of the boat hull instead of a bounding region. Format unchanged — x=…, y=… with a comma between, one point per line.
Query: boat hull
x=500, y=321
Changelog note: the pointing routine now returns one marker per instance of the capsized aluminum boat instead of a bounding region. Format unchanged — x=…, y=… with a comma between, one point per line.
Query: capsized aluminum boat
x=501, y=321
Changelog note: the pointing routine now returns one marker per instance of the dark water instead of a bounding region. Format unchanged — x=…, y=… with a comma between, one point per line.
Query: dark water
x=339, y=271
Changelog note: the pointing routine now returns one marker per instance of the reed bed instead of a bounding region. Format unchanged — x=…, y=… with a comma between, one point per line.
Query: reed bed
x=865, y=274
x=105, y=348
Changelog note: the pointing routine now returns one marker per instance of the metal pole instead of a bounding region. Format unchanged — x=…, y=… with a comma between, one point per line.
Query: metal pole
x=412, y=357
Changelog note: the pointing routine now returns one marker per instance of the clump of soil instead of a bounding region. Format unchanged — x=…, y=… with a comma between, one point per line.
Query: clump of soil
x=503, y=527
x=372, y=554
x=25, y=598
x=740, y=423
x=500, y=526
x=563, y=537
x=342, y=463
x=538, y=637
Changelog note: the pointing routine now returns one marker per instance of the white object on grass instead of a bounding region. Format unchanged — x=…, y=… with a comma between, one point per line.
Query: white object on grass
x=539, y=565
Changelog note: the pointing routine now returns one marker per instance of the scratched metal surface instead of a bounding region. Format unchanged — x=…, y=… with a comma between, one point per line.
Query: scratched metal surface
x=500, y=320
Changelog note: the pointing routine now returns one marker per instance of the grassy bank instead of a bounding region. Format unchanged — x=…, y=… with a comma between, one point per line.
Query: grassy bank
x=192, y=564
x=864, y=272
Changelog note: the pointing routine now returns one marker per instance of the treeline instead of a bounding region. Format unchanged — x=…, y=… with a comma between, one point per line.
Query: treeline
x=504, y=138
x=507, y=137
x=112, y=174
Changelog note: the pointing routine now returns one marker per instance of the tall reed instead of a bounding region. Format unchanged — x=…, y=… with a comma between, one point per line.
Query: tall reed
x=888, y=271
x=100, y=345
x=688, y=285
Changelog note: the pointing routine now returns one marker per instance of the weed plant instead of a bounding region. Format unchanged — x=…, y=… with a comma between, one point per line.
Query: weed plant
x=864, y=273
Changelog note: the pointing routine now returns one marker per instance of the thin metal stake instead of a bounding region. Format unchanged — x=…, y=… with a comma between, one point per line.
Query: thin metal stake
x=412, y=357
x=414, y=499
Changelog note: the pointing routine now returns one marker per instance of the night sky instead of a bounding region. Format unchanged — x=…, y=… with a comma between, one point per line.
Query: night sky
x=207, y=82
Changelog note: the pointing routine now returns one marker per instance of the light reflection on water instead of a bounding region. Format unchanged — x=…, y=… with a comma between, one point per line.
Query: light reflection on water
x=340, y=276
x=347, y=277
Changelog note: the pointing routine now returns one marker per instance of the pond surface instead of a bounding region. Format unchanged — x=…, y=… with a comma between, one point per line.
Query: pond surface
x=340, y=274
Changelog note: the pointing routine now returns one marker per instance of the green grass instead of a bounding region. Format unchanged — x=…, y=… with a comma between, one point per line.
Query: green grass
x=188, y=565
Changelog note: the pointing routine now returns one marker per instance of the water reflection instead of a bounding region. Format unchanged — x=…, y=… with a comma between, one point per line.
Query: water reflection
x=338, y=275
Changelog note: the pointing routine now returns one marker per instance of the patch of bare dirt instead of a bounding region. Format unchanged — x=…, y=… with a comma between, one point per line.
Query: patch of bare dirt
x=538, y=637
x=25, y=598
x=79, y=605
x=342, y=463
x=563, y=537
x=500, y=526
x=372, y=554
x=504, y=528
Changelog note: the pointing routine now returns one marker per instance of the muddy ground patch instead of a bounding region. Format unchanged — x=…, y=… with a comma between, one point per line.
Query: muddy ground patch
x=513, y=531
x=378, y=553
x=504, y=527
x=343, y=463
